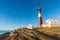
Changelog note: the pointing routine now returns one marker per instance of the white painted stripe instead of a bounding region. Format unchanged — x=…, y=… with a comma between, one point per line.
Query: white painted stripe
x=39, y=15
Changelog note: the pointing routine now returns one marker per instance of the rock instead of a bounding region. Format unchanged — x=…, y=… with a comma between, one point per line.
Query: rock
x=34, y=34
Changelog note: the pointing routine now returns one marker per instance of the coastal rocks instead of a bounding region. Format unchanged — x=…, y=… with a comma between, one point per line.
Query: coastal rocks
x=32, y=34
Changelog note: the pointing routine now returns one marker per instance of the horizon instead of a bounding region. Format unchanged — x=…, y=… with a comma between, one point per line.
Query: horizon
x=19, y=13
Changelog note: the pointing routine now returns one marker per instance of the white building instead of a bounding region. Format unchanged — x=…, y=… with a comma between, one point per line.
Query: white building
x=52, y=22
x=29, y=26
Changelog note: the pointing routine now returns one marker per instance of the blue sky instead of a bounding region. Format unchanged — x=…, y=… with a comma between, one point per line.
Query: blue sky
x=19, y=13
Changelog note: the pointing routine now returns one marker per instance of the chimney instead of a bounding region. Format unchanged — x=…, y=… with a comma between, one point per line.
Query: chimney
x=39, y=17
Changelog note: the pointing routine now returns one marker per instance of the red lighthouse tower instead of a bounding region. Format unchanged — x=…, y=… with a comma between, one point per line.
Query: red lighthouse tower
x=39, y=17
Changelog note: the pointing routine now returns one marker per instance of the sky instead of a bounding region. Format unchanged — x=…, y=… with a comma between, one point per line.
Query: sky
x=19, y=13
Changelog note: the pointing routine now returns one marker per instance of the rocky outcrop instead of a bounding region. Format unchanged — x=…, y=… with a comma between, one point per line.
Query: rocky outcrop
x=33, y=34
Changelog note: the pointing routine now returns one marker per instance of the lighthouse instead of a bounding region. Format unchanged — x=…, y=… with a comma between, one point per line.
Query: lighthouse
x=39, y=17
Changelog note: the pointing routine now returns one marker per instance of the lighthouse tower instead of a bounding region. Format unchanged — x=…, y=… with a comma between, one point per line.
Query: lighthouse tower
x=39, y=17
